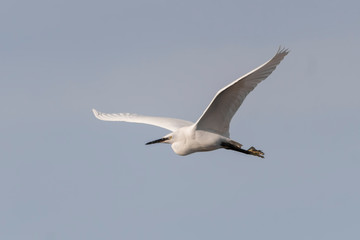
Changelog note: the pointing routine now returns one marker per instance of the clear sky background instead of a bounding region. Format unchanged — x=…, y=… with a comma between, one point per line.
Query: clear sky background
x=66, y=175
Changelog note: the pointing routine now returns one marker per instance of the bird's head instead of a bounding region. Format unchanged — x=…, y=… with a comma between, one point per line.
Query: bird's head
x=167, y=139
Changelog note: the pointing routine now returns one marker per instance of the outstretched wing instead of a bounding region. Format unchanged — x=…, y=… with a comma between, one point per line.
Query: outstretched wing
x=227, y=101
x=171, y=124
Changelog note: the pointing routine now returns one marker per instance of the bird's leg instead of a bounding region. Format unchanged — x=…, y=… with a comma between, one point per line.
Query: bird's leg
x=255, y=152
x=232, y=145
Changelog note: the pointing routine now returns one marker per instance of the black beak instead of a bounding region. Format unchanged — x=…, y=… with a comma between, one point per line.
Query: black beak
x=158, y=141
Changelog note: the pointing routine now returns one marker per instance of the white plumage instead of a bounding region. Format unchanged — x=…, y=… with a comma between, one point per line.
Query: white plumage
x=211, y=130
x=171, y=124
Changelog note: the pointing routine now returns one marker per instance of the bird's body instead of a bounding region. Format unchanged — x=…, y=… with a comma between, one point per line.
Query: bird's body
x=188, y=140
x=211, y=130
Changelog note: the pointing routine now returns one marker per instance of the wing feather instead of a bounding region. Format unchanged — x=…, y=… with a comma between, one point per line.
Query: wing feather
x=171, y=124
x=227, y=101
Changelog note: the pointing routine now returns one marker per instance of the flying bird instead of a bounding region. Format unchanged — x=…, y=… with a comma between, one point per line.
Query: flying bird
x=211, y=130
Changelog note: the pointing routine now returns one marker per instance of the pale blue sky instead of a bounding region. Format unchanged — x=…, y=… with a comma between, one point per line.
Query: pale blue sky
x=66, y=175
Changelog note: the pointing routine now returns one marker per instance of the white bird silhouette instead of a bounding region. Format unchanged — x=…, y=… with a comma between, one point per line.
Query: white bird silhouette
x=211, y=130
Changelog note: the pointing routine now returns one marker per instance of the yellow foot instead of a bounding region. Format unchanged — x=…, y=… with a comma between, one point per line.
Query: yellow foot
x=256, y=152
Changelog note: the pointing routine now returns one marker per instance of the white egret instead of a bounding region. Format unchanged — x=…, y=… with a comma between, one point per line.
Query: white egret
x=211, y=130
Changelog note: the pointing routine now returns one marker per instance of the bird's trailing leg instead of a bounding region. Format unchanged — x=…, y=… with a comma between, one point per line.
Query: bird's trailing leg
x=232, y=145
x=255, y=152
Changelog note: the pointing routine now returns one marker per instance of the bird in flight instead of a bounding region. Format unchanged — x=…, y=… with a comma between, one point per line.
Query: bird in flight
x=211, y=130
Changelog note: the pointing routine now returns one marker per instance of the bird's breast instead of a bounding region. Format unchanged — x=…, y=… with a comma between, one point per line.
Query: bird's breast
x=197, y=141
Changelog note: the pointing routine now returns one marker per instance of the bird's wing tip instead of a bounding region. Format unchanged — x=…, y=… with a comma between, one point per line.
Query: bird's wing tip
x=283, y=50
x=96, y=113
